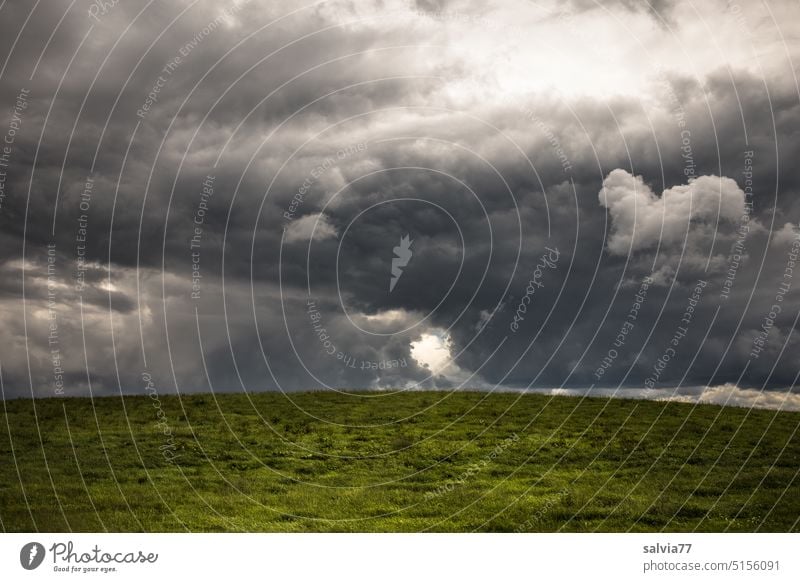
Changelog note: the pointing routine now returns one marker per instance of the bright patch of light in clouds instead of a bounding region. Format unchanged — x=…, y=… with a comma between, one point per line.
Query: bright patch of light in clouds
x=557, y=48
x=388, y=316
x=432, y=351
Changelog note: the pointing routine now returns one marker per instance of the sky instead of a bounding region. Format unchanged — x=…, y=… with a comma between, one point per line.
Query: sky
x=570, y=197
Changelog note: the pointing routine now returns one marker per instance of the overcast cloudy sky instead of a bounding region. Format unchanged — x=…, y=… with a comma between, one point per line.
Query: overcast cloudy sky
x=267, y=195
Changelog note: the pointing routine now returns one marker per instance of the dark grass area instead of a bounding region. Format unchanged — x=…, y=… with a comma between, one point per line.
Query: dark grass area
x=404, y=462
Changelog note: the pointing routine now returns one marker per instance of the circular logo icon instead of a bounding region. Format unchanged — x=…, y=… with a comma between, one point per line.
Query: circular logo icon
x=31, y=555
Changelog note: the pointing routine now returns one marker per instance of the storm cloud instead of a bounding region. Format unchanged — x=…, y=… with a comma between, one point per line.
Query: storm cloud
x=599, y=197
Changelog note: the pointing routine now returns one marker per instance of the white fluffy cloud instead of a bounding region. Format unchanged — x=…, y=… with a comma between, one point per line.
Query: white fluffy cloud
x=303, y=228
x=786, y=235
x=732, y=395
x=723, y=395
x=640, y=219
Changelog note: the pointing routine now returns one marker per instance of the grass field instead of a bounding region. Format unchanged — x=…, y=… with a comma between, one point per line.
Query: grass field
x=405, y=462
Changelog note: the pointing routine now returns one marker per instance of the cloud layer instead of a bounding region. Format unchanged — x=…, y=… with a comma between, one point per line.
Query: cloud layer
x=642, y=220
x=211, y=195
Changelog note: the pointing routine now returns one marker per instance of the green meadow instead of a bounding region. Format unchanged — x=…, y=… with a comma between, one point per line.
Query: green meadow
x=408, y=462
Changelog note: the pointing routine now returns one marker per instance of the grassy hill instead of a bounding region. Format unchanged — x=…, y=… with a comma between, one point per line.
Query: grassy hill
x=404, y=462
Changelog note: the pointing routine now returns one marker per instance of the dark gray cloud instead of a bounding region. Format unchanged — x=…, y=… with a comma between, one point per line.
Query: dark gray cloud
x=179, y=158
